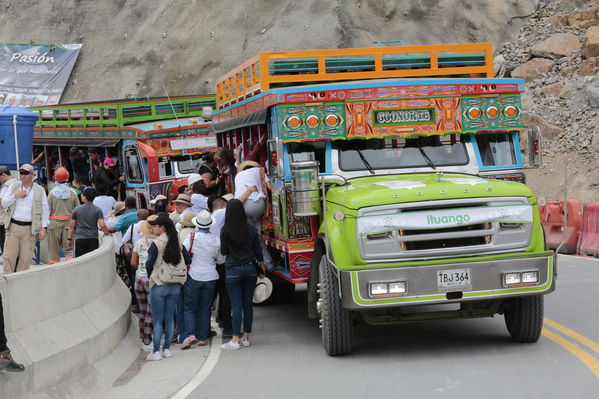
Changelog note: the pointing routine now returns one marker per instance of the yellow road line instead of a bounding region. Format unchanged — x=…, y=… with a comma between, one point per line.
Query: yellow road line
x=584, y=356
x=573, y=334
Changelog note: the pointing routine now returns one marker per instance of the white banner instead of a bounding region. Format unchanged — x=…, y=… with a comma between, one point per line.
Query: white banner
x=442, y=219
x=194, y=142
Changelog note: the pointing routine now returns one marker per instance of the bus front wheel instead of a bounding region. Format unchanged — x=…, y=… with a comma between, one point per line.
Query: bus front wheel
x=336, y=322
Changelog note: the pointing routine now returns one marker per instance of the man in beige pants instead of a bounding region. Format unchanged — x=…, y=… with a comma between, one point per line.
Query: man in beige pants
x=29, y=217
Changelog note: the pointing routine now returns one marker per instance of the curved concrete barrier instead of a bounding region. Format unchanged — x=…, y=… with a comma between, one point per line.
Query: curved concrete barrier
x=62, y=318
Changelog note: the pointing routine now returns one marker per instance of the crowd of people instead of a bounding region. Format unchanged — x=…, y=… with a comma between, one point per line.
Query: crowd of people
x=179, y=258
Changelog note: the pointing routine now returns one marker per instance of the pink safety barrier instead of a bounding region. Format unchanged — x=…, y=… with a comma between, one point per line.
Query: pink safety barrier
x=588, y=243
x=552, y=219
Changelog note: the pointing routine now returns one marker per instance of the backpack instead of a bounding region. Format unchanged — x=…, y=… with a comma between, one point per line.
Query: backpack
x=173, y=273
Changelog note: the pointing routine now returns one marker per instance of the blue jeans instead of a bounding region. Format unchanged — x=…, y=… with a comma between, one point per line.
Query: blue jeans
x=198, y=300
x=163, y=299
x=241, y=282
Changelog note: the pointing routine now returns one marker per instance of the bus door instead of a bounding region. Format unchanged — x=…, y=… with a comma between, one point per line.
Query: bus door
x=136, y=178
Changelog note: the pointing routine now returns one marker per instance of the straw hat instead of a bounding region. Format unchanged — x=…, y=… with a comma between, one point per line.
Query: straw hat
x=183, y=199
x=246, y=164
x=146, y=229
x=263, y=290
x=116, y=208
x=159, y=197
x=203, y=220
x=186, y=220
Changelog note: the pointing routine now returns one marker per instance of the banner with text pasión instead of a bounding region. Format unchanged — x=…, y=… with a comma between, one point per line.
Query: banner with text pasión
x=35, y=74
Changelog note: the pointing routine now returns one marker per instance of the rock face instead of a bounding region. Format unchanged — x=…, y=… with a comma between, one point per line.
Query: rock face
x=589, y=67
x=553, y=89
x=563, y=99
x=590, y=45
x=556, y=46
x=583, y=19
x=136, y=46
x=533, y=69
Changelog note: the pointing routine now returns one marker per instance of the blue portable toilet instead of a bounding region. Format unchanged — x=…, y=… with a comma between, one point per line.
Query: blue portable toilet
x=25, y=125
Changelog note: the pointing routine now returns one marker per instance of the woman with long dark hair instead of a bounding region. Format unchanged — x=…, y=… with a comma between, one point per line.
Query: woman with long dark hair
x=164, y=252
x=241, y=246
x=225, y=162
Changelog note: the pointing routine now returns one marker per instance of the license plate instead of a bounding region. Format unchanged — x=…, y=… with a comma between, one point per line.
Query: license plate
x=454, y=280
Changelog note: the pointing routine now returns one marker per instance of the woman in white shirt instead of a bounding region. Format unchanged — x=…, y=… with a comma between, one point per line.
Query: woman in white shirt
x=249, y=190
x=198, y=292
x=142, y=286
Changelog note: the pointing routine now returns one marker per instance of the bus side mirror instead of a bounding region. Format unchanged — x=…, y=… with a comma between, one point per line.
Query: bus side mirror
x=535, y=150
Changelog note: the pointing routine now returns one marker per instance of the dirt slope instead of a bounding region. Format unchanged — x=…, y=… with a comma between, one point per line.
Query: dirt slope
x=135, y=46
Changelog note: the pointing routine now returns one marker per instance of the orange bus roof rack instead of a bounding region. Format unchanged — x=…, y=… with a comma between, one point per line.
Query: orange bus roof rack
x=292, y=68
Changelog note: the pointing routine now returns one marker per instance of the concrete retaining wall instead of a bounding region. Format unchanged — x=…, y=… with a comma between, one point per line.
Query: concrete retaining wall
x=62, y=318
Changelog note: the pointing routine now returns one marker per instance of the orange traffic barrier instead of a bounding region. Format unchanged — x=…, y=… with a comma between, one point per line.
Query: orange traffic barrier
x=588, y=243
x=552, y=219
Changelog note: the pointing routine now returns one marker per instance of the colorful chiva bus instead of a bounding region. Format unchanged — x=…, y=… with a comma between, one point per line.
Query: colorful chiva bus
x=397, y=179
x=154, y=142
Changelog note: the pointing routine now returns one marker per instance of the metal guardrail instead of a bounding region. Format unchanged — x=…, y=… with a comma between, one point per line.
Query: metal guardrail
x=291, y=68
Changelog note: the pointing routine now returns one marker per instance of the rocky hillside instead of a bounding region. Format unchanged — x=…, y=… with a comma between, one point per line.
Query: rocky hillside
x=137, y=46
x=557, y=52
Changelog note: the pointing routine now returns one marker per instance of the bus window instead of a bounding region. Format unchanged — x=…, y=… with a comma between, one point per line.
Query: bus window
x=496, y=149
x=186, y=164
x=134, y=171
x=165, y=167
x=392, y=153
x=307, y=151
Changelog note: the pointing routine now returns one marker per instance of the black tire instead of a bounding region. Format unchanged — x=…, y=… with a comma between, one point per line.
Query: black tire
x=313, y=280
x=282, y=291
x=337, y=325
x=524, y=318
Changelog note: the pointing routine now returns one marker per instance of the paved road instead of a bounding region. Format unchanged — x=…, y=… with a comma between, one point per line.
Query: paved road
x=445, y=359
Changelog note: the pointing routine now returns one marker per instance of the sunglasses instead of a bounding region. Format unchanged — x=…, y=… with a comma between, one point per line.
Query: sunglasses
x=23, y=173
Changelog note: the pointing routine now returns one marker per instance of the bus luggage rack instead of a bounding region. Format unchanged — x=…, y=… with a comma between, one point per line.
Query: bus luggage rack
x=119, y=113
x=293, y=68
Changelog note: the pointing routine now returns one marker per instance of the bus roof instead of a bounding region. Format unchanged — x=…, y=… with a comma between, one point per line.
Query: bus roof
x=293, y=68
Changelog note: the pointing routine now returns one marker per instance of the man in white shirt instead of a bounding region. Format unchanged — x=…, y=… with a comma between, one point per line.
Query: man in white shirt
x=219, y=207
x=199, y=201
x=6, y=179
x=29, y=215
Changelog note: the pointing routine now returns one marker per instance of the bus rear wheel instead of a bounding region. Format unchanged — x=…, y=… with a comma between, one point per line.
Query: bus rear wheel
x=524, y=318
x=337, y=325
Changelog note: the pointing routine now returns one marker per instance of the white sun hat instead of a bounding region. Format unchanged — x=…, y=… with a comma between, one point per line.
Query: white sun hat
x=263, y=290
x=203, y=220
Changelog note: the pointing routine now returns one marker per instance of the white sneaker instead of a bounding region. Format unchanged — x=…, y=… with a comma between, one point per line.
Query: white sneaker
x=147, y=348
x=230, y=346
x=167, y=353
x=245, y=342
x=154, y=356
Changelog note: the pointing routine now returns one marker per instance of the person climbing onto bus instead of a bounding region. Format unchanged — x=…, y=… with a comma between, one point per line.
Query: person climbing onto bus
x=252, y=186
x=105, y=179
x=225, y=162
x=61, y=201
x=209, y=172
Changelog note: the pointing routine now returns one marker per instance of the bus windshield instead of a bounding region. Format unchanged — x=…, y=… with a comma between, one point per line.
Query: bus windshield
x=393, y=153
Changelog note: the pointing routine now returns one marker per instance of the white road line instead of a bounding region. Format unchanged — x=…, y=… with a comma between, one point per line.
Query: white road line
x=205, y=370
